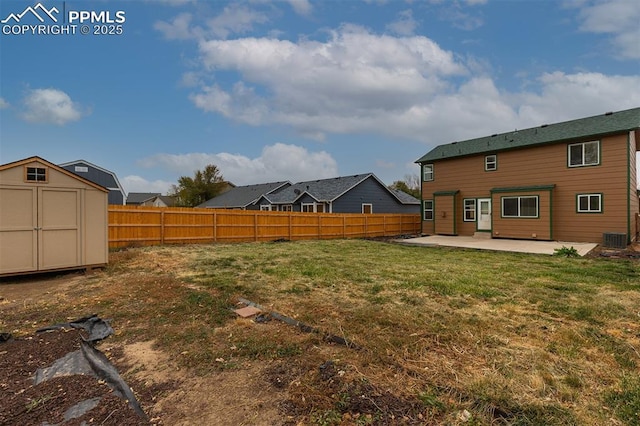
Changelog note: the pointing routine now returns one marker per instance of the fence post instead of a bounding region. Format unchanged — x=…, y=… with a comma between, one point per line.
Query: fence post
x=215, y=227
x=344, y=226
x=290, y=227
x=255, y=226
x=162, y=227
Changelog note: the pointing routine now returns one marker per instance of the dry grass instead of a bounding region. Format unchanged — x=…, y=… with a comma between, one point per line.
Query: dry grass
x=510, y=338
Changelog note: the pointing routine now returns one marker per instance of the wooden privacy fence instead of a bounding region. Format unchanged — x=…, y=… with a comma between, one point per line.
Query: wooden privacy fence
x=142, y=225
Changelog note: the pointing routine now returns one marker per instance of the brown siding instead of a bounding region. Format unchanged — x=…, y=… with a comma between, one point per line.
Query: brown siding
x=546, y=165
x=444, y=214
x=525, y=228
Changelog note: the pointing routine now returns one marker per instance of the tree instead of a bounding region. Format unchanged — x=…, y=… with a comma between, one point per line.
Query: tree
x=204, y=185
x=410, y=185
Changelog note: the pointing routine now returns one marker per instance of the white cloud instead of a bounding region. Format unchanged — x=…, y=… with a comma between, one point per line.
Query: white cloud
x=235, y=19
x=277, y=162
x=51, y=106
x=405, y=24
x=301, y=7
x=616, y=17
x=133, y=183
x=179, y=28
x=4, y=104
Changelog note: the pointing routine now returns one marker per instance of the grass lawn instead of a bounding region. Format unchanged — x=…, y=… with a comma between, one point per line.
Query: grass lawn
x=444, y=336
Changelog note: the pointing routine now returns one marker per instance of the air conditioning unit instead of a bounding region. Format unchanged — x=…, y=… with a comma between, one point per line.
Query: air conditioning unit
x=614, y=240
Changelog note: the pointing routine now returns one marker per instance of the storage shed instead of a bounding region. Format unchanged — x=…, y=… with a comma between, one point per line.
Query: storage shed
x=50, y=219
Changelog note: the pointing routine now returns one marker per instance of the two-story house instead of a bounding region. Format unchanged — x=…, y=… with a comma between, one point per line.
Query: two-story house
x=569, y=181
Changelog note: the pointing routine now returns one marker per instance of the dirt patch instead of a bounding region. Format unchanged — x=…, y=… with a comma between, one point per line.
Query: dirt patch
x=53, y=401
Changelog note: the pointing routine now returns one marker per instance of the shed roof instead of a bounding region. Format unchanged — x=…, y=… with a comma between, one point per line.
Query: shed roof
x=242, y=196
x=24, y=161
x=596, y=126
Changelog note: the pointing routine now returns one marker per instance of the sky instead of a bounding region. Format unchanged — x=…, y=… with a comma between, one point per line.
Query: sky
x=298, y=89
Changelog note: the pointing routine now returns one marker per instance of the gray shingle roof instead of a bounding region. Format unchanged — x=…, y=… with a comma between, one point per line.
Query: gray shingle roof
x=596, y=126
x=242, y=196
x=404, y=197
x=323, y=190
x=139, y=197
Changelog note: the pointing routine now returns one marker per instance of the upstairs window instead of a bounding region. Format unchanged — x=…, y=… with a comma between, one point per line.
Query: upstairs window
x=490, y=163
x=427, y=172
x=36, y=174
x=584, y=154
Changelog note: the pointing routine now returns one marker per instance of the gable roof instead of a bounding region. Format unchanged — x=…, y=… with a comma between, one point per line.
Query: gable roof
x=242, y=196
x=111, y=183
x=328, y=190
x=596, y=126
x=140, y=197
x=19, y=163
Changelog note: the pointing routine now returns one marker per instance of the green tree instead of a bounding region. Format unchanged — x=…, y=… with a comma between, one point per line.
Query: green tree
x=203, y=186
x=410, y=185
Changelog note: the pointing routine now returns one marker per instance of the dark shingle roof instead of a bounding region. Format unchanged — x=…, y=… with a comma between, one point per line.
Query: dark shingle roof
x=596, y=126
x=323, y=190
x=139, y=197
x=404, y=197
x=242, y=196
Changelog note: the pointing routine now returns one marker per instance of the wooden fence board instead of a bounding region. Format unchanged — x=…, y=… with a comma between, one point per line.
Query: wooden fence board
x=143, y=225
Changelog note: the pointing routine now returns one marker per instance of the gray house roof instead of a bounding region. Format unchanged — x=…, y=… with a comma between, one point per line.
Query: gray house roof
x=99, y=175
x=328, y=190
x=596, y=126
x=242, y=196
x=139, y=197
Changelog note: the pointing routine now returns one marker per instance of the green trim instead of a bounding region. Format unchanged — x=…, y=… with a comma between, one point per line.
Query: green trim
x=537, y=216
x=432, y=210
x=446, y=192
x=432, y=172
x=589, y=194
x=524, y=188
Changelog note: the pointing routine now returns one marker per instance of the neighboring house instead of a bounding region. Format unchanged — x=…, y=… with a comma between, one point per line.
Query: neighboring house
x=243, y=197
x=570, y=181
x=137, y=198
x=102, y=177
x=363, y=193
x=160, y=201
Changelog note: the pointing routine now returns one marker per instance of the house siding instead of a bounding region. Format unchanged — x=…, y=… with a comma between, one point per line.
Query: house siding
x=371, y=192
x=544, y=165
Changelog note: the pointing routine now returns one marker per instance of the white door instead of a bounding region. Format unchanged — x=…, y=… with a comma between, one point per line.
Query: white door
x=484, y=214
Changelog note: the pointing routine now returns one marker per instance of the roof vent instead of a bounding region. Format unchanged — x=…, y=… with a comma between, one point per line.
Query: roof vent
x=494, y=135
x=296, y=191
x=544, y=125
x=608, y=113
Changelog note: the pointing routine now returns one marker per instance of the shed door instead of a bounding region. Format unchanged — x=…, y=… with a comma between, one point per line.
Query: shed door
x=18, y=229
x=59, y=228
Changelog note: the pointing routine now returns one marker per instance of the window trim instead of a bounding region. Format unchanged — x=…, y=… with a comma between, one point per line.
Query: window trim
x=35, y=173
x=424, y=172
x=494, y=163
x=370, y=208
x=287, y=208
x=583, y=144
x=465, y=209
x=596, y=194
x=424, y=210
x=266, y=207
x=519, y=215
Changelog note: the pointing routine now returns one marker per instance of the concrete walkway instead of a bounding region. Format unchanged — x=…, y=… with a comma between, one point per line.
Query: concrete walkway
x=499, y=244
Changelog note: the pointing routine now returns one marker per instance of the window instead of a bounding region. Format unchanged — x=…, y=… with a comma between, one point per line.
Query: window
x=584, y=154
x=307, y=207
x=470, y=210
x=490, y=163
x=36, y=174
x=427, y=210
x=427, y=172
x=525, y=207
x=81, y=169
x=590, y=203
x=367, y=208
x=265, y=207
x=287, y=208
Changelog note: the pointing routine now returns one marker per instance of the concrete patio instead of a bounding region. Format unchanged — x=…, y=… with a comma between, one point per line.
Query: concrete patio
x=499, y=244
